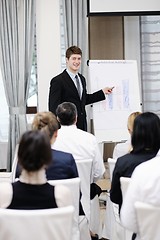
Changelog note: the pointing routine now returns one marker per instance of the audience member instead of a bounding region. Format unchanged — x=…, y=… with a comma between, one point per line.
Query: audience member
x=123, y=148
x=32, y=191
x=145, y=142
x=81, y=144
x=144, y=187
x=63, y=165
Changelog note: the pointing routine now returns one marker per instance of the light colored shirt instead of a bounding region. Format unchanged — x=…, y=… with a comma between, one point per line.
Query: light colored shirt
x=144, y=187
x=72, y=76
x=82, y=145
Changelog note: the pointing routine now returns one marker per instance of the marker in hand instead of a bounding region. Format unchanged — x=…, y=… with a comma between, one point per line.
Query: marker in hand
x=110, y=90
x=107, y=90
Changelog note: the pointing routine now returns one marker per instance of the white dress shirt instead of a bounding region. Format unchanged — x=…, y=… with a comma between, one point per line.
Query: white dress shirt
x=144, y=187
x=82, y=145
x=73, y=77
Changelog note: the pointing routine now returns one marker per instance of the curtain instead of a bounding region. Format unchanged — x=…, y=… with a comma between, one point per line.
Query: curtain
x=150, y=60
x=76, y=27
x=17, y=20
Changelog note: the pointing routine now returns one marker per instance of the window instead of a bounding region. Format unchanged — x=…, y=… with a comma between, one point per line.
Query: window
x=33, y=93
x=150, y=49
x=31, y=103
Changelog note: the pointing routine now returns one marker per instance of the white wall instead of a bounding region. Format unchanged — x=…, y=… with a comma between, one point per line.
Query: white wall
x=48, y=47
x=124, y=6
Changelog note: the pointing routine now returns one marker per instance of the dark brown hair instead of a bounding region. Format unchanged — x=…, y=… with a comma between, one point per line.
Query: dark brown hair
x=73, y=50
x=146, y=133
x=34, y=150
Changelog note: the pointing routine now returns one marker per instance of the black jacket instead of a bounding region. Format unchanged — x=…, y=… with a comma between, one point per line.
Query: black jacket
x=124, y=167
x=63, y=89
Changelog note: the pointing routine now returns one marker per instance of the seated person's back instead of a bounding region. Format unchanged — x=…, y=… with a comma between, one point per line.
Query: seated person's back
x=145, y=142
x=80, y=144
x=32, y=191
x=144, y=187
x=123, y=148
x=63, y=165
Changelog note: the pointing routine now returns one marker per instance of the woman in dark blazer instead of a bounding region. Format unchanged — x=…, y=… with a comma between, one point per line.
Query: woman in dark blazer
x=63, y=88
x=63, y=165
x=145, y=142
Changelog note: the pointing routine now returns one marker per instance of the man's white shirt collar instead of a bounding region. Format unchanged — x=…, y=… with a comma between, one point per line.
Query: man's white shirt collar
x=72, y=75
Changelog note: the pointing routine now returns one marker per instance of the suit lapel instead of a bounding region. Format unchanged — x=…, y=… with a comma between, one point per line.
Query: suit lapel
x=70, y=84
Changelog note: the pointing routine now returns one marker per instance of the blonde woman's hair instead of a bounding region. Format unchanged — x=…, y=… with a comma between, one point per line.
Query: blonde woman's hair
x=47, y=122
x=131, y=119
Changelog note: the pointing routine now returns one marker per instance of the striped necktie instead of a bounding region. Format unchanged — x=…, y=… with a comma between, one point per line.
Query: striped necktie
x=78, y=86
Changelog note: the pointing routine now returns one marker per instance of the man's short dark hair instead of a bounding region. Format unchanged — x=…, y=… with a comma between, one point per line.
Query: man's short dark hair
x=73, y=50
x=66, y=113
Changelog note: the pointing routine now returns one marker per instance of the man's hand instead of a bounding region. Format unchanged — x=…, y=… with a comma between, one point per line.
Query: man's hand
x=107, y=90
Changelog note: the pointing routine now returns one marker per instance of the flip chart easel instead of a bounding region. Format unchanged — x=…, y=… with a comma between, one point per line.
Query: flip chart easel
x=110, y=116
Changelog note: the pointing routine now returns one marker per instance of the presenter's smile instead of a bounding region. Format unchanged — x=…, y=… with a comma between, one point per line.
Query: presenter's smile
x=74, y=62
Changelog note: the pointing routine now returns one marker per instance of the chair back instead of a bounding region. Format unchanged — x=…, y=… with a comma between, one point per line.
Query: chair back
x=5, y=176
x=14, y=164
x=85, y=171
x=43, y=224
x=111, y=164
x=74, y=185
x=125, y=181
x=10, y=176
x=148, y=221
x=113, y=227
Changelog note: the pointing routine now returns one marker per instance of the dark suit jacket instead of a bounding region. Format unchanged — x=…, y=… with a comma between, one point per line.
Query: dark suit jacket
x=63, y=166
x=63, y=89
x=124, y=167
